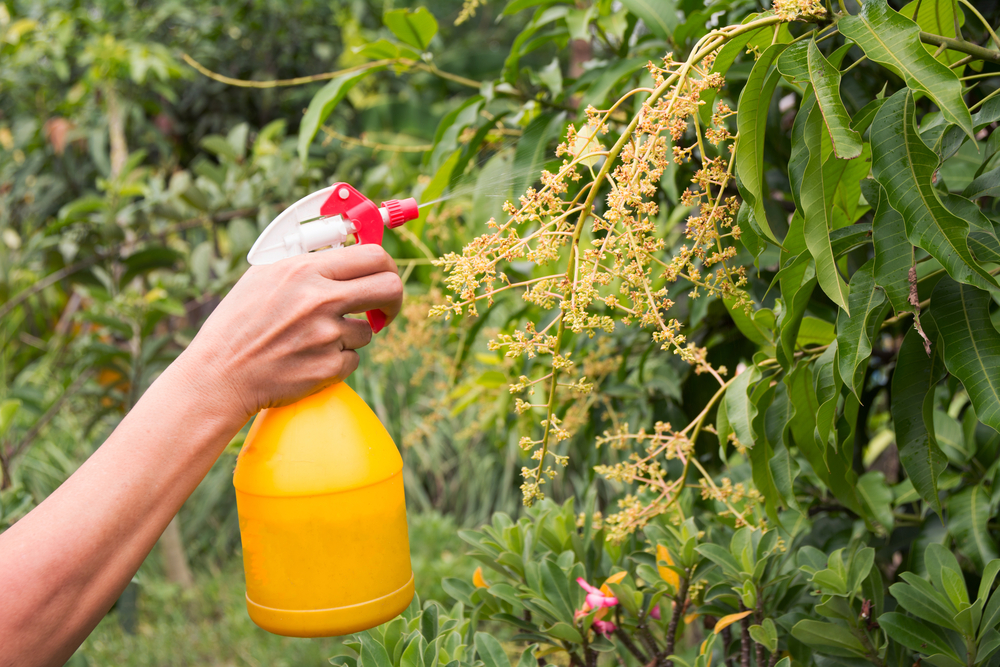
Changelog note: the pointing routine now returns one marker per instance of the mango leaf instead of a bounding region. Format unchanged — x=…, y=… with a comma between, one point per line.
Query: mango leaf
x=797, y=280
x=751, y=121
x=893, y=252
x=968, y=512
x=660, y=16
x=893, y=41
x=415, y=27
x=323, y=104
x=912, y=409
x=818, y=188
x=855, y=332
x=971, y=346
x=740, y=407
x=815, y=331
x=876, y=496
x=825, y=79
x=904, y=167
x=984, y=185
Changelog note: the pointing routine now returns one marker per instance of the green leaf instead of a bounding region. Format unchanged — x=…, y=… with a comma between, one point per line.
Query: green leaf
x=8, y=409
x=415, y=27
x=815, y=331
x=904, y=167
x=490, y=651
x=826, y=84
x=915, y=635
x=796, y=280
x=323, y=104
x=856, y=332
x=660, y=16
x=984, y=185
x=818, y=188
x=372, y=652
x=740, y=407
x=876, y=496
x=751, y=121
x=923, y=603
x=968, y=513
x=912, y=410
x=971, y=346
x=988, y=645
x=566, y=632
x=830, y=635
x=893, y=41
x=861, y=565
x=893, y=252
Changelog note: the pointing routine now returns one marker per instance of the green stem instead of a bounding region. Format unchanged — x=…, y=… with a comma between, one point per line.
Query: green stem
x=978, y=52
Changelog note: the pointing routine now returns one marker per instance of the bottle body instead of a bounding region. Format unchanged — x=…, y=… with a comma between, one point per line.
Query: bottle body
x=319, y=491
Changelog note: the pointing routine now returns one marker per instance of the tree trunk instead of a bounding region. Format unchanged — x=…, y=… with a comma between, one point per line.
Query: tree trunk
x=174, y=561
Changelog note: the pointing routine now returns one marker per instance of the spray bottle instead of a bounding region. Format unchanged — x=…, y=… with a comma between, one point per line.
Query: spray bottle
x=319, y=485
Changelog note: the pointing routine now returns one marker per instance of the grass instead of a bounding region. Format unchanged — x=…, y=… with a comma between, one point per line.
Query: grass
x=208, y=625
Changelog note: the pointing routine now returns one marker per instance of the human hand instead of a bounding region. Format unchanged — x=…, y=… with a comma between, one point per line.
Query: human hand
x=281, y=334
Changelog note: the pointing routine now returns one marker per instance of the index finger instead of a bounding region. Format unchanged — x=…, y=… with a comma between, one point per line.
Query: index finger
x=356, y=261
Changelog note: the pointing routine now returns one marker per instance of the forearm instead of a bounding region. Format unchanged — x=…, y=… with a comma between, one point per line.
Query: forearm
x=66, y=562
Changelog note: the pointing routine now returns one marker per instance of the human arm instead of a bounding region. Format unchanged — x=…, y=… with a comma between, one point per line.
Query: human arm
x=278, y=336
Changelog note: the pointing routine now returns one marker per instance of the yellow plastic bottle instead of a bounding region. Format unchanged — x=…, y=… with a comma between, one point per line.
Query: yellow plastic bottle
x=319, y=489
x=319, y=483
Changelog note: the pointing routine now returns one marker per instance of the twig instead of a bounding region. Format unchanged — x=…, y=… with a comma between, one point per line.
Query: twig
x=979, y=52
x=679, y=603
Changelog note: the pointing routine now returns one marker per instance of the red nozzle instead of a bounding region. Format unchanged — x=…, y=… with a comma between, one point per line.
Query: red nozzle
x=401, y=211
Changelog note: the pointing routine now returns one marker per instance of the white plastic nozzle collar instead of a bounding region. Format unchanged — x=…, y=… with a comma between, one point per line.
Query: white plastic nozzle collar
x=300, y=229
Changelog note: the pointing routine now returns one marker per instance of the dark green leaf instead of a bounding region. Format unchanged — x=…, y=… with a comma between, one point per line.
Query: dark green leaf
x=893, y=252
x=904, y=167
x=912, y=409
x=971, y=346
x=893, y=40
x=740, y=407
x=856, y=331
x=829, y=636
x=818, y=188
x=826, y=84
x=915, y=635
x=751, y=121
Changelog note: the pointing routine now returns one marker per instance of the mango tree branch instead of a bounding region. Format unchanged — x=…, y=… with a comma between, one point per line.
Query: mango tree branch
x=974, y=50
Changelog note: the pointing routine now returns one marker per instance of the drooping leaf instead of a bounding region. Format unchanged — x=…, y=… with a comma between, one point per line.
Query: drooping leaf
x=818, y=188
x=825, y=79
x=893, y=41
x=904, y=167
x=876, y=497
x=322, y=105
x=970, y=344
x=797, y=280
x=856, y=330
x=912, y=410
x=740, y=408
x=751, y=121
x=415, y=27
x=968, y=513
x=893, y=252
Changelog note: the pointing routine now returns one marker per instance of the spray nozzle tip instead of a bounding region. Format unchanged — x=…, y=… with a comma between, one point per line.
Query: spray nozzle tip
x=401, y=211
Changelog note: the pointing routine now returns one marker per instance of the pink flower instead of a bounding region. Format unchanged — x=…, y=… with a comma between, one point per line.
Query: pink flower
x=655, y=612
x=604, y=627
x=595, y=597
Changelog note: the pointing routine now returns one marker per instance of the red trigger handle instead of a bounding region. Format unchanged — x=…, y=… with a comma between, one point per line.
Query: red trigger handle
x=368, y=222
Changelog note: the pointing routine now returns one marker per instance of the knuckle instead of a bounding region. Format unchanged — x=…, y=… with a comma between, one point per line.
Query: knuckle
x=393, y=285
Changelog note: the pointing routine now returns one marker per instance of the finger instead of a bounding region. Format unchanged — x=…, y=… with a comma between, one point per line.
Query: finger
x=352, y=262
x=354, y=333
x=349, y=364
x=382, y=291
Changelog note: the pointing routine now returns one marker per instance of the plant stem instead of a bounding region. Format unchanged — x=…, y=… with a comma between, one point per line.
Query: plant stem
x=679, y=603
x=744, y=639
x=727, y=639
x=962, y=46
x=627, y=641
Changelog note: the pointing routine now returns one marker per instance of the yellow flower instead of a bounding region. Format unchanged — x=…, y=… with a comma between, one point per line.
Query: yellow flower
x=477, y=579
x=668, y=575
